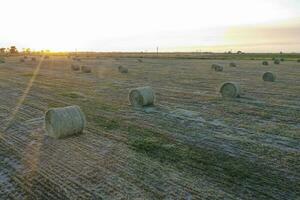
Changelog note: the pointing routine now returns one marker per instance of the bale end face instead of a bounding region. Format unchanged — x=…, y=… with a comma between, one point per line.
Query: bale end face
x=230, y=90
x=142, y=96
x=269, y=76
x=64, y=122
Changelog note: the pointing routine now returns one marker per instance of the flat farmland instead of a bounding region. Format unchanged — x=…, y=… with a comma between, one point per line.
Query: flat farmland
x=192, y=144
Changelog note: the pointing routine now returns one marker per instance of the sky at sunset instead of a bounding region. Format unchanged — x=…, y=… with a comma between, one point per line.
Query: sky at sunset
x=142, y=25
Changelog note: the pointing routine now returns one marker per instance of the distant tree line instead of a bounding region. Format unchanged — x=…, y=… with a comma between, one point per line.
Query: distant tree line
x=13, y=51
x=10, y=50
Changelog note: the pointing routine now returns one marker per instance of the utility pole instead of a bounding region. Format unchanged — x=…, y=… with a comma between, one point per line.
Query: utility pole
x=157, y=51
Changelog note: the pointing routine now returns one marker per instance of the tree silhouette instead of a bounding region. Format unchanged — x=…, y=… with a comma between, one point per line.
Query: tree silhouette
x=2, y=50
x=13, y=50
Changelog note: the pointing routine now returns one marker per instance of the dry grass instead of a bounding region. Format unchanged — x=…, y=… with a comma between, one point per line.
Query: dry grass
x=193, y=143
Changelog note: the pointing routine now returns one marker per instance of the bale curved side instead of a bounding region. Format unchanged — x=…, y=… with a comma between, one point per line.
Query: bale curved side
x=213, y=66
x=269, y=76
x=230, y=90
x=277, y=61
x=142, y=96
x=63, y=122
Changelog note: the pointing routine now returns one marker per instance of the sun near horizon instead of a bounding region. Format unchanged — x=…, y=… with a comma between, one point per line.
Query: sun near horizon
x=140, y=25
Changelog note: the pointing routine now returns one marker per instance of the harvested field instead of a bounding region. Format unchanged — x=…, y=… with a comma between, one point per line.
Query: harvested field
x=192, y=144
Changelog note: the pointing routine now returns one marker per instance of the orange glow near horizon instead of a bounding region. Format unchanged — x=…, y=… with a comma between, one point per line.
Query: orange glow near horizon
x=140, y=25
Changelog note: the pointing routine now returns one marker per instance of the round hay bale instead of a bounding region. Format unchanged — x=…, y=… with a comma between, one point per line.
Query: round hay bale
x=63, y=122
x=265, y=63
x=282, y=59
x=277, y=61
x=25, y=57
x=47, y=57
x=298, y=61
x=230, y=90
x=86, y=69
x=2, y=60
x=269, y=76
x=22, y=60
x=142, y=96
x=140, y=60
x=33, y=59
x=232, y=64
x=76, y=59
x=217, y=67
x=122, y=69
x=75, y=67
x=213, y=66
